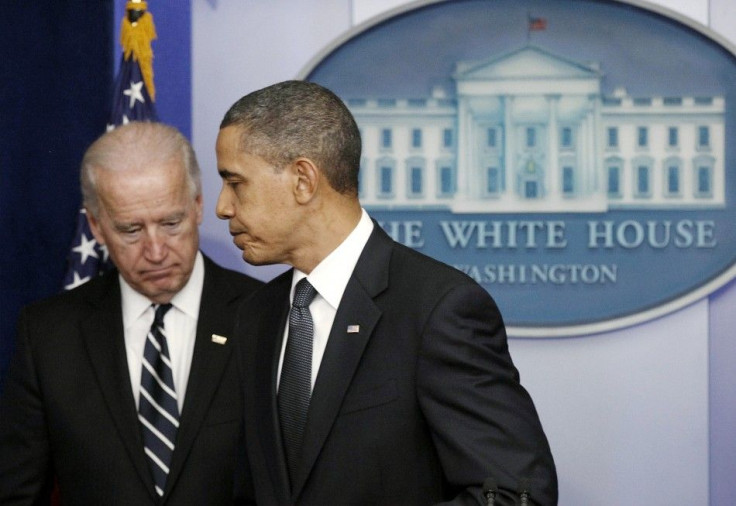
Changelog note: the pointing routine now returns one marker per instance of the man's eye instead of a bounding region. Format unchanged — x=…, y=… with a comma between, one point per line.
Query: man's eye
x=130, y=234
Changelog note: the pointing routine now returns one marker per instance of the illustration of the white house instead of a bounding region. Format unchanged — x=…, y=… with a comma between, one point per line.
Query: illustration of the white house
x=531, y=131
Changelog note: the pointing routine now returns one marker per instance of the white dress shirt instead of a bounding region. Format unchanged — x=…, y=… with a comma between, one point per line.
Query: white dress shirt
x=329, y=278
x=180, y=323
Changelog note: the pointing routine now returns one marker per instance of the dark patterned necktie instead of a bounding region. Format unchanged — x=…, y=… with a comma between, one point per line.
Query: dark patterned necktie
x=296, y=374
x=158, y=411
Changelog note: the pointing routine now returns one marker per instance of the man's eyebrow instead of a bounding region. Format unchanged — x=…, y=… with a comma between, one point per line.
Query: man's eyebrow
x=178, y=215
x=125, y=225
x=224, y=173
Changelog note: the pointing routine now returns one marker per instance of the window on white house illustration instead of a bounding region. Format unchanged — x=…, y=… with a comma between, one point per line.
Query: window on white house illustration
x=491, y=138
x=673, y=179
x=446, y=181
x=566, y=137
x=643, y=181
x=386, y=138
x=531, y=137
x=703, y=137
x=447, y=138
x=612, y=137
x=493, y=180
x=704, y=181
x=568, y=180
x=642, y=137
x=416, y=138
x=614, y=181
x=385, y=180
x=672, y=137
x=415, y=181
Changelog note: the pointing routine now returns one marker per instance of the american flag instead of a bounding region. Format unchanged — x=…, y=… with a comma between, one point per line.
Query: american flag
x=536, y=24
x=131, y=102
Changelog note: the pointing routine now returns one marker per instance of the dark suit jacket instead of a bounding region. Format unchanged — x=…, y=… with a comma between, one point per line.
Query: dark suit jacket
x=418, y=407
x=68, y=409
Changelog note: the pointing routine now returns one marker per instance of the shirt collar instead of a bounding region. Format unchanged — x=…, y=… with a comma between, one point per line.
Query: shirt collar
x=331, y=275
x=186, y=300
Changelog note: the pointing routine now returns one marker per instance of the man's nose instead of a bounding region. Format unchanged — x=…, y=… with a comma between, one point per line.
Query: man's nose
x=224, y=208
x=155, y=247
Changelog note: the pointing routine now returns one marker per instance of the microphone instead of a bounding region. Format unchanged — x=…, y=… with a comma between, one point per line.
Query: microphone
x=524, y=493
x=489, y=491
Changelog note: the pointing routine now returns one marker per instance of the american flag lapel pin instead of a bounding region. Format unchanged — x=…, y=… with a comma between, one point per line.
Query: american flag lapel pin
x=219, y=339
x=353, y=329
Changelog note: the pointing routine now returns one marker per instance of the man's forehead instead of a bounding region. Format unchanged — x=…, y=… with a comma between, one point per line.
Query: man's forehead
x=151, y=203
x=141, y=214
x=230, y=134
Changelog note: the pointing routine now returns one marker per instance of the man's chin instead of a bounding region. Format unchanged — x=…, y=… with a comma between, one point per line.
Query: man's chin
x=253, y=260
x=257, y=260
x=161, y=291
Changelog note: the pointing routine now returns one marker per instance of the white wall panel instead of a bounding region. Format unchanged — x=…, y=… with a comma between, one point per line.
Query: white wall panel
x=626, y=412
x=723, y=18
x=695, y=9
x=366, y=9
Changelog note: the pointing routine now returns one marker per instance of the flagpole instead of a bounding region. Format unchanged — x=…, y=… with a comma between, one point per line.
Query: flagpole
x=136, y=34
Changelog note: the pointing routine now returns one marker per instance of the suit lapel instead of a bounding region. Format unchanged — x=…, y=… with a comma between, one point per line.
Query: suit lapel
x=345, y=348
x=209, y=361
x=104, y=339
x=274, y=309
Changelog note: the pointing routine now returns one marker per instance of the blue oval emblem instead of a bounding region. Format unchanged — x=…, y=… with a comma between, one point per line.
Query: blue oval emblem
x=572, y=157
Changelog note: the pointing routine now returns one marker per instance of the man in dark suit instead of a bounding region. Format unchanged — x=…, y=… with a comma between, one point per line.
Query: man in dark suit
x=389, y=380
x=124, y=390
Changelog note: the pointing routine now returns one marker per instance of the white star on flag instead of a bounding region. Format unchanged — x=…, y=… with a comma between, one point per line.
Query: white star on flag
x=111, y=127
x=86, y=248
x=105, y=254
x=77, y=281
x=135, y=93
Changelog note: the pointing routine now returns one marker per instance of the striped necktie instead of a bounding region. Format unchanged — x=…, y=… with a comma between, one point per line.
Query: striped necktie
x=296, y=374
x=158, y=411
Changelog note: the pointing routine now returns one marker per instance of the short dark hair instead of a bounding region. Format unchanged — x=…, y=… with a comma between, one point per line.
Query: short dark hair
x=293, y=119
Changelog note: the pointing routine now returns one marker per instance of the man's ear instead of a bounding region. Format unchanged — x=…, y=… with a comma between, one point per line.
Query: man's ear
x=94, y=226
x=308, y=178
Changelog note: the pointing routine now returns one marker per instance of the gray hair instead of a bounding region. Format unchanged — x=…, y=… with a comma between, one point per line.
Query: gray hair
x=133, y=146
x=293, y=119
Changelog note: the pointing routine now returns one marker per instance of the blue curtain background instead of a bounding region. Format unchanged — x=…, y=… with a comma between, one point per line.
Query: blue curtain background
x=56, y=72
